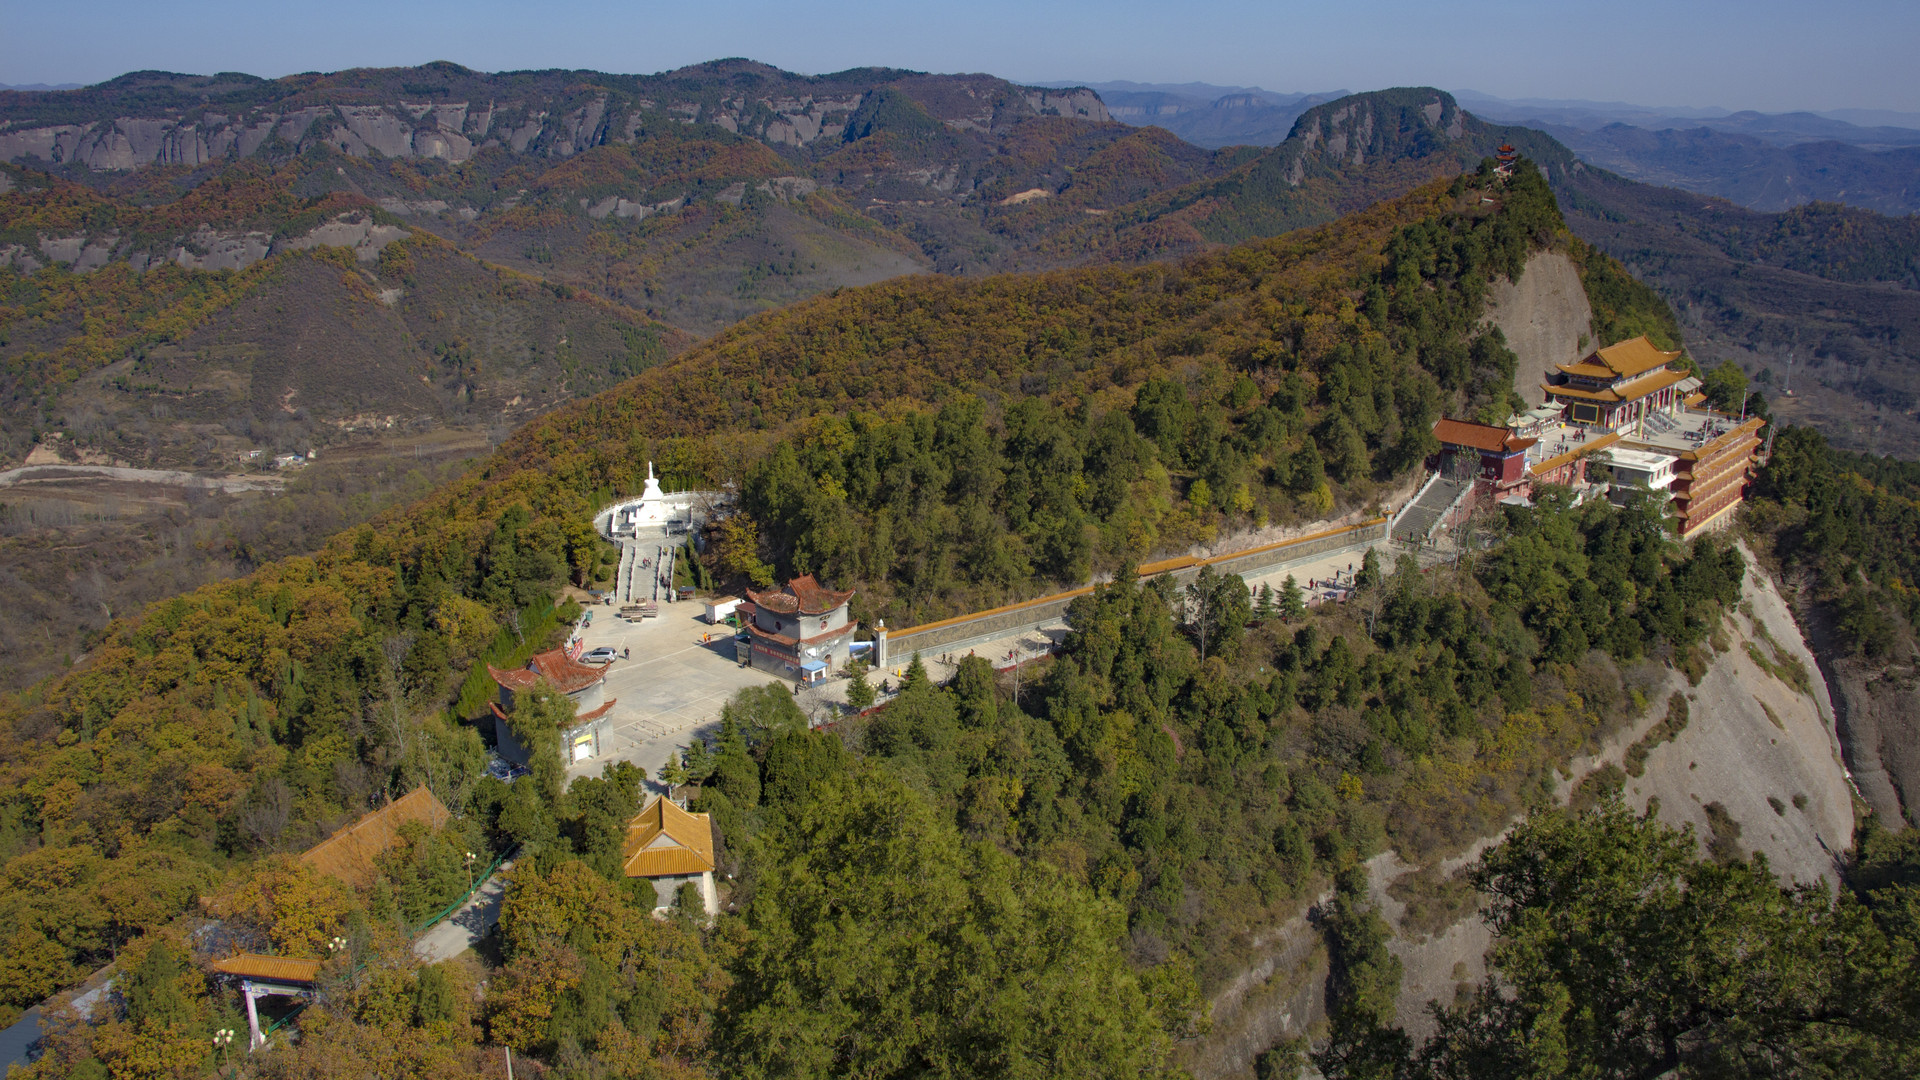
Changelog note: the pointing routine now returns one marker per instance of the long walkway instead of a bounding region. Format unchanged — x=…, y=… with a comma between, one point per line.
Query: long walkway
x=463, y=929
x=1028, y=643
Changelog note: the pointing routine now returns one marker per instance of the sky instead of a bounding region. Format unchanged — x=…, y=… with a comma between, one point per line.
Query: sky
x=1768, y=55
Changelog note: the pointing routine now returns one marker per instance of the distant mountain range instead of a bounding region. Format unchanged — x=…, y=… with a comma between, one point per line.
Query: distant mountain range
x=1870, y=128
x=1762, y=161
x=1208, y=115
x=701, y=196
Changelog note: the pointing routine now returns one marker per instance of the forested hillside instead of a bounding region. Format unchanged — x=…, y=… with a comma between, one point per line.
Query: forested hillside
x=244, y=718
x=968, y=881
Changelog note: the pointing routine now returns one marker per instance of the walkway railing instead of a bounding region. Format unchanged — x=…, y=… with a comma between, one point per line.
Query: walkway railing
x=478, y=881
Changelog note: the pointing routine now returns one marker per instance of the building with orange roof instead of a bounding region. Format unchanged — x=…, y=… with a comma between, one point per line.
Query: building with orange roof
x=1469, y=449
x=349, y=853
x=268, y=976
x=1480, y=466
x=584, y=684
x=1621, y=386
x=671, y=847
x=1712, y=465
x=801, y=630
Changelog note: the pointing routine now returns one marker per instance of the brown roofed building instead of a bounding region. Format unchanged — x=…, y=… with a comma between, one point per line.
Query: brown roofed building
x=671, y=847
x=349, y=853
x=584, y=684
x=1481, y=450
x=800, y=631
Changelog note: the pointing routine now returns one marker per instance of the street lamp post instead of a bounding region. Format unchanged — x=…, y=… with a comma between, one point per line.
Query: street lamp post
x=469, y=871
x=223, y=1042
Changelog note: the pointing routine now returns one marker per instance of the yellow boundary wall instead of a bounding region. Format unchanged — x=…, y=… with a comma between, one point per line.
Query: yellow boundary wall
x=1010, y=618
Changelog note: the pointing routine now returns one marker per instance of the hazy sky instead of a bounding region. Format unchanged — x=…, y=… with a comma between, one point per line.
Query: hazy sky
x=1770, y=55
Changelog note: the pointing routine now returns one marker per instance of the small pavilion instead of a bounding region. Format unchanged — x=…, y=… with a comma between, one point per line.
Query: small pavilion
x=268, y=976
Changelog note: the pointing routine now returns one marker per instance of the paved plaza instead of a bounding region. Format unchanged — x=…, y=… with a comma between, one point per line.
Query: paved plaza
x=680, y=671
x=673, y=684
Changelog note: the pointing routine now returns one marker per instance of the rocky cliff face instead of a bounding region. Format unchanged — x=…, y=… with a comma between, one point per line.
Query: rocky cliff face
x=1371, y=127
x=1545, y=318
x=1757, y=767
x=125, y=125
x=205, y=248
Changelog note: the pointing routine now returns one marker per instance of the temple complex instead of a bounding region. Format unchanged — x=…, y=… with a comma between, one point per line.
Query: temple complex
x=800, y=631
x=1624, y=406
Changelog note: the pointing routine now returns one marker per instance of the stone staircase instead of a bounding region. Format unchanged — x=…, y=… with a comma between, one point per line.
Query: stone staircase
x=1419, y=520
x=623, y=581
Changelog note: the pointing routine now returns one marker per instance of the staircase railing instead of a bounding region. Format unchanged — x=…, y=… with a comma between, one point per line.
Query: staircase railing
x=1394, y=525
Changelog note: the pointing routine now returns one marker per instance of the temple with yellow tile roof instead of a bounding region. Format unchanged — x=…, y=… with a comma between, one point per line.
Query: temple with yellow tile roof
x=671, y=847
x=1620, y=386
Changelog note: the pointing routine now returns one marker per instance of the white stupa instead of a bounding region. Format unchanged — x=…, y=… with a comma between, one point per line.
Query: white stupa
x=656, y=512
x=652, y=508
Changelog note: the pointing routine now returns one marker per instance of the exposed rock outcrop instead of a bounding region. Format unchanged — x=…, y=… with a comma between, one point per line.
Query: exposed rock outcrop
x=1877, y=714
x=557, y=121
x=1758, y=743
x=1545, y=317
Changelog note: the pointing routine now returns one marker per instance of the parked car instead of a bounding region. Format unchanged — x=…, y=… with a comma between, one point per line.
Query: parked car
x=605, y=654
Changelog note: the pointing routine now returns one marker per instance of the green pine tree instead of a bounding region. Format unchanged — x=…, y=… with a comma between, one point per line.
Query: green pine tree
x=1293, y=604
x=1369, y=570
x=697, y=761
x=859, y=691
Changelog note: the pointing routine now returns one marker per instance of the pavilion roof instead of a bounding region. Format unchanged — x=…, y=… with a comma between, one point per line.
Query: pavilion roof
x=1622, y=360
x=349, y=853
x=663, y=840
x=561, y=671
x=1614, y=395
x=801, y=596
x=290, y=969
x=1495, y=440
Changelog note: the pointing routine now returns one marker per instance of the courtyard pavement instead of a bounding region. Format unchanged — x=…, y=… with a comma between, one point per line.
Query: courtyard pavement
x=673, y=683
x=680, y=671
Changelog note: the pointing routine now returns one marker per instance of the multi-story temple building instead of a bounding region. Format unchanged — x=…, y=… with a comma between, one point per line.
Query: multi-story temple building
x=800, y=631
x=583, y=683
x=1624, y=406
x=1620, y=386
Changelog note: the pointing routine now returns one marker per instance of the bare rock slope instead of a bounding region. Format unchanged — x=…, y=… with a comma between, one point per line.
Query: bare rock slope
x=1545, y=317
x=1758, y=745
